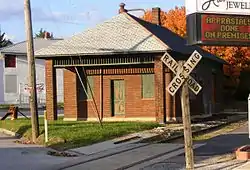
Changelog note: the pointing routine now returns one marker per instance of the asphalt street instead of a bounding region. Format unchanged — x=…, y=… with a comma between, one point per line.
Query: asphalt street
x=214, y=147
x=206, y=156
x=16, y=156
x=226, y=143
x=24, y=155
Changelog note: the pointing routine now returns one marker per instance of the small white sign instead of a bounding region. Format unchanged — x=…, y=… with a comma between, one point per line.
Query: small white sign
x=183, y=73
x=238, y=7
x=173, y=66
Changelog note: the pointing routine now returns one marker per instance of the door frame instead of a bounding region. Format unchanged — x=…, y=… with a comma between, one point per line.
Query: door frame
x=112, y=97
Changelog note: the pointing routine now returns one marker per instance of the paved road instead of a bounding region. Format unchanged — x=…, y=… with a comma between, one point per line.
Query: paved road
x=15, y=156
x=215, y=147
x=226, y=143
x=150, y=157
x=26, y=112
x=136, y=160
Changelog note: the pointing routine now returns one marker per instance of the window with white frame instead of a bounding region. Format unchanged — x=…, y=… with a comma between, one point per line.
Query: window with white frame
x=10, y=84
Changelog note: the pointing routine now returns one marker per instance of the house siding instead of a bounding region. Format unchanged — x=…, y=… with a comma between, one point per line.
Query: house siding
x=1, y=80
x=21, y=71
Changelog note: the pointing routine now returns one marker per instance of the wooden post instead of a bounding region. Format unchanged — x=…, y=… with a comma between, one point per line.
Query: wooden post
x=101, y=94
x=180, y=81
x=46, y=126
x=31, y=70
x=187, y=125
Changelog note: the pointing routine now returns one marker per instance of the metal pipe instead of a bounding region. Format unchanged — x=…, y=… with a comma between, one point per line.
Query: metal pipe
x=138, y=9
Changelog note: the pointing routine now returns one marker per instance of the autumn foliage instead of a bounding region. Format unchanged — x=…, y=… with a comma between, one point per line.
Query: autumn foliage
x=175, y=20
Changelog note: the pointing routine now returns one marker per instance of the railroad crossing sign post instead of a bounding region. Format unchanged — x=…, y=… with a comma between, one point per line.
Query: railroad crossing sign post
x=182, y=70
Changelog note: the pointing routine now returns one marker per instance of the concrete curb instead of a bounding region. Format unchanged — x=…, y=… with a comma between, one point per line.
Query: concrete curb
x=8, y=132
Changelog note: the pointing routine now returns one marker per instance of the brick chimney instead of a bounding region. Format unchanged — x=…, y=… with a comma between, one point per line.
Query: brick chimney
x=122, y=8
x=156, y=15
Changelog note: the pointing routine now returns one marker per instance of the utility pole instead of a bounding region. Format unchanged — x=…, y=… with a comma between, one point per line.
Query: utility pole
x=31, y=70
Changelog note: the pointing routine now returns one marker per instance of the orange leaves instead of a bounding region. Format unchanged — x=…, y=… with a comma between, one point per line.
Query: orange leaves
x=175, y=20
x=147, y=16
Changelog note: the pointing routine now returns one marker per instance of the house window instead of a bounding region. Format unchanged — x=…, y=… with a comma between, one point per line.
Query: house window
x=91, y=83
x=10, y=61
x=10, y=84
x=148, y=82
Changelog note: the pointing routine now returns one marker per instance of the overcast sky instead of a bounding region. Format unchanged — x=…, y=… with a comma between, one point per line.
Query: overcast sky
x=67, y=17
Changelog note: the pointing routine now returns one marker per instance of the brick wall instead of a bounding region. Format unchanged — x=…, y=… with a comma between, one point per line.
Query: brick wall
x=70, y=94
x=135, y=106
x=73, y=107
x=51, y=98
x=169, y=99
x=160, y=91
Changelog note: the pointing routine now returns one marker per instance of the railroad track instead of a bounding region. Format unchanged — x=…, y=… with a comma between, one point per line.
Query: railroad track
x=133, y=156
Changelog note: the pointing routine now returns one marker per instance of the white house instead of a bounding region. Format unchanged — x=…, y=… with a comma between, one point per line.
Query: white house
x=14, y=74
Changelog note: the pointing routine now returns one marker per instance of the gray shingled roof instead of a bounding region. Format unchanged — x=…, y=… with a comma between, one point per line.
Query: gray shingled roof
x=20, y=48
x=123, y=33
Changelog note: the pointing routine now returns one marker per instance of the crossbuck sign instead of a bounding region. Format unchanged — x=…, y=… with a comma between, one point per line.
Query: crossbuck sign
x=182, y=73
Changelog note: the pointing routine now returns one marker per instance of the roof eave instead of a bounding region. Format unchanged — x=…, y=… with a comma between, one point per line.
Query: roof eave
x=101, y=54
x=13, y=53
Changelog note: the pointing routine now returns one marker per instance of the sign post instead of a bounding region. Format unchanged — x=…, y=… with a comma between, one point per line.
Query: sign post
x=182, y=70
x=46, y=126
x=185, y=107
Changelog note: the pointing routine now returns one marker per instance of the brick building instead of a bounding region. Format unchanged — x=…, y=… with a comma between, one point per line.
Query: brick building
x=118, y=62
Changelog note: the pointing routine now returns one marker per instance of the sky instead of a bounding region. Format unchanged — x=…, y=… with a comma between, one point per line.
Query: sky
x=67, y=17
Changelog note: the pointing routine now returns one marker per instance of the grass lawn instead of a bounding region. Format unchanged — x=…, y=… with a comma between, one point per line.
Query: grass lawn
x=66, y=135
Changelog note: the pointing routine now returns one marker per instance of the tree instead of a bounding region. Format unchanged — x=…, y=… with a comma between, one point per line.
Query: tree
x=41, y=34
x=3, y=41
x=175, y=20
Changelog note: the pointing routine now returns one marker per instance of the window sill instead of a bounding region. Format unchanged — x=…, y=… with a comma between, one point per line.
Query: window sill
x=148, y=98
x=119, y=116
